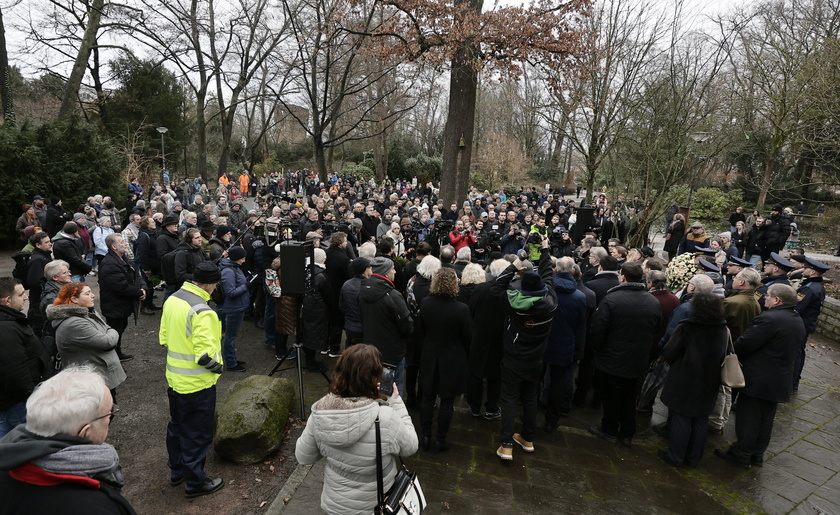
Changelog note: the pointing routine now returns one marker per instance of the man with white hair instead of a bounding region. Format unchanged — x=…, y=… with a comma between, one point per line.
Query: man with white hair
x=58, y=462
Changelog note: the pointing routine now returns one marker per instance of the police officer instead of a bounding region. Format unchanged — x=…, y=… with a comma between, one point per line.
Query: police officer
x=775, y=270
x=809, y=301
x=191, y=332
x=733, y=268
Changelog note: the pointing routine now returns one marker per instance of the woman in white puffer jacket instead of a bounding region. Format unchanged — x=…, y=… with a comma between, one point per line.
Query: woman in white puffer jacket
x=341, y=429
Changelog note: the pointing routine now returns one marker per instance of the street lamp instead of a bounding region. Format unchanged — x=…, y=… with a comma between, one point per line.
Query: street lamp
x=162, y=131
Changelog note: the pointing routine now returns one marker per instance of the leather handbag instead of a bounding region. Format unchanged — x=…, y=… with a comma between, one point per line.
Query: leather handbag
x=731, y=373
x=405, y=496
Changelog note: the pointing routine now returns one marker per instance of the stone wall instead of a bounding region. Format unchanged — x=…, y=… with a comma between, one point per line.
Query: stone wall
x=828, y=325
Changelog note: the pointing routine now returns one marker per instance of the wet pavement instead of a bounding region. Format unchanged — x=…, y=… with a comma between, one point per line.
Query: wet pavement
x=572, y=471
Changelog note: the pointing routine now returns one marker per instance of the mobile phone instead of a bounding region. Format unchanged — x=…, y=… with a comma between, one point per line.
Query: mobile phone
x=386, y=384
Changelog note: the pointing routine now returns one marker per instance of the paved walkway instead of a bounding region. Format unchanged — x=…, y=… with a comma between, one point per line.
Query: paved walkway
x=574, y=472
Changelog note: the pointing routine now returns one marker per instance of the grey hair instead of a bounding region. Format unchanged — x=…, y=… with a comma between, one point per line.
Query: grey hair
x=111, y=239
x=702, y=282
x=565, y=265
x=498, y=266
x=66, y=402
x=786, y=293
x=428, y=266
x=598, y=252
x=367, y=250
x=464, y=254
x=51, y=268
x=749, y=276
x=657, y=279
x=473, y=274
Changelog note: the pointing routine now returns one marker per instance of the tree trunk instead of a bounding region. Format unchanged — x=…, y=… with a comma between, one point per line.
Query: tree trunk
x=7, y=106
x=379, y=156
x=765, y=181
x=200, y=93
x=71, y=89
x=460, y=121
x=321, y=159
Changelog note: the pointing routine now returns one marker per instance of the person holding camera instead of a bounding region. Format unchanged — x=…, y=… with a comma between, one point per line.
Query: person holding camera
x=461, y=236
x=343, y=425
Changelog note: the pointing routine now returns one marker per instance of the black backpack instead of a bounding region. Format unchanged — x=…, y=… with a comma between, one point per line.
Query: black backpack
x=21, y=269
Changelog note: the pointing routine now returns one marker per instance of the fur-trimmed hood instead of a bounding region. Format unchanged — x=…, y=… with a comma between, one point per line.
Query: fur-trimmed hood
x=65, y=311
x=341, y=421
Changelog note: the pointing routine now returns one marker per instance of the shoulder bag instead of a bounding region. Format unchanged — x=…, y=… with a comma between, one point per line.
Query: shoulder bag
x=405, y=496
x=730, y=370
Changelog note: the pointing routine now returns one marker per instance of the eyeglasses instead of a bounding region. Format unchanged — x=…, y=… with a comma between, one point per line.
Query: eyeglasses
x=110, y=415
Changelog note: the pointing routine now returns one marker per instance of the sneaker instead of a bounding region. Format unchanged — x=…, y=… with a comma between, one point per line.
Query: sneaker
x=525, y=444
x=324, y=352
x=493, y=415
x=293, y=355
x=238, y=368
x=475, y=412
x=505, y=451
x=334, y=354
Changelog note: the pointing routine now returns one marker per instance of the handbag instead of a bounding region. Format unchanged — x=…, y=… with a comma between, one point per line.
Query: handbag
x=405, y=496
x=730, y=370
x=653, y=382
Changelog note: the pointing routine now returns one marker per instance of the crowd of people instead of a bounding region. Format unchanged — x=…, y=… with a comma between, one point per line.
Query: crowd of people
x=504, y=298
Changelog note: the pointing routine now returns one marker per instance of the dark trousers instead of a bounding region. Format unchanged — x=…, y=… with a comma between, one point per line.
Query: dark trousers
x=475, y=387
x=149, y=301
x=618, y=395
x=753, y=427
x=798, y=365
x=561, y=387
x=334, y=336
x=353, y=338
x=688, y=438
x=190, y=433
x=519, y=385
x=119, y=325
x=427, y=409
x=586, y=376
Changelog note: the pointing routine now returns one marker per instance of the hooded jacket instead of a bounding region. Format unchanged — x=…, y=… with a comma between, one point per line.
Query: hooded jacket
x=82, y=336
x=529, y=317
x=343, y=431
x=235, y=287
x=70, y=249
x=568, y=326
x=43, y=475
x=385, y=318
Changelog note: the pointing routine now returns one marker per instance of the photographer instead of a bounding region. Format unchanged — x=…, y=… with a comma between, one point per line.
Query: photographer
x=561, y=243
x=512, y=241
x=461, y=236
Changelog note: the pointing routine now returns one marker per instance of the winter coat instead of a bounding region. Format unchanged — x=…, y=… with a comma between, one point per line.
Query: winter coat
x=286, y=310
x=692, y=241
x=338, y=268
x=348, y=303
x=71, y=250
x=234, y=285
x=343, y=431
x=778, y=231
x=316, y=311
x=529, y=318
x=622, y=330
x=767, y=351
x=602, y=283
x=119, y=287
x=811, y=298
x=676, y=233
x=145, y=255
x=486, y=348
x=385, y=318
x=51, y=289
x=57, y=216
x=695, y=352
x=444, y=329
x=668, y=302
x=739, y=241
x=83, y=336
x=60, y=474
x=23, y=360
x=740, y=309
x=186, y=259
x=568, y=327
x=99, y=234
x=217, y=248
x=756, y=240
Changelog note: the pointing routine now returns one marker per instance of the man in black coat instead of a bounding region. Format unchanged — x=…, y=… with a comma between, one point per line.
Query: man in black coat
x=338, y=272
x=23, y=360
x=606, y=278
x=57, y=216
x=120, y=288
x=386, y=320
x=68, y=246
x=166, y=242
x=767, y=351
x=621, y=335
x=529, y=311
x=777, y=230
x=34, y=281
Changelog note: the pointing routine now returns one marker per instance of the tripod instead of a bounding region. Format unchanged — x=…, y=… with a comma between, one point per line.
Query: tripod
x=297, y=348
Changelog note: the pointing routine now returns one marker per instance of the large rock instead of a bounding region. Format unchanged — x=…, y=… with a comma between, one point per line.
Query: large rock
x=251, y=422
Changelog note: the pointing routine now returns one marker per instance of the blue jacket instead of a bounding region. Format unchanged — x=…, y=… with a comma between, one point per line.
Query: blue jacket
x=348, y=303
x=234, y=286
x=566, y=340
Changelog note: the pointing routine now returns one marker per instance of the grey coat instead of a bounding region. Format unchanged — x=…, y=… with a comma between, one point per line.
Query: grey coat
x=83, y=337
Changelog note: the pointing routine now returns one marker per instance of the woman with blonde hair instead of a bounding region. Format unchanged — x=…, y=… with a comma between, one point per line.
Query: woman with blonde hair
x=444, y=329
x=472, y=276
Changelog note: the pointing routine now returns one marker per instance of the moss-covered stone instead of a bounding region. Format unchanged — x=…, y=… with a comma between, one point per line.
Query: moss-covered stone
x=251, y=421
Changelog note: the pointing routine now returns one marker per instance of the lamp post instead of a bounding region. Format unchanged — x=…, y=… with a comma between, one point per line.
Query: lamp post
x=162, y=131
